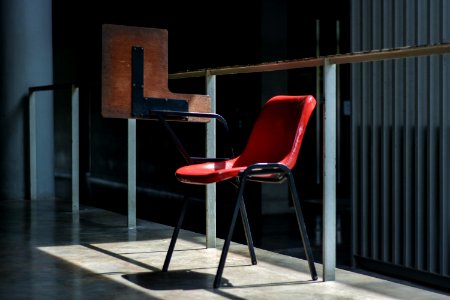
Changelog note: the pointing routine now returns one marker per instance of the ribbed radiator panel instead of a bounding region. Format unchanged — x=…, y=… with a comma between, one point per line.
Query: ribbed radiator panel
x=401, y=137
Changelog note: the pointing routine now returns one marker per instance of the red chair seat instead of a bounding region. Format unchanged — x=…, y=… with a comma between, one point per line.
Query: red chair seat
x=208, y=172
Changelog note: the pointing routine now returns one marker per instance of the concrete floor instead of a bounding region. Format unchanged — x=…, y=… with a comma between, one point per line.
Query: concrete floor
x=47, y=253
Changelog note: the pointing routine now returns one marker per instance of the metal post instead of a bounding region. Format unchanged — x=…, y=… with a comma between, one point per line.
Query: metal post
x=131, y=173
x=211, y=152
x=329, y=174
x=338, y=105
x=75, y=151
x=33, y=146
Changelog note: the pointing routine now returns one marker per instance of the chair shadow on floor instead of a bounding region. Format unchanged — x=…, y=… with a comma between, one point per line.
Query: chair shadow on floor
x=173, y=280
x=192, y=280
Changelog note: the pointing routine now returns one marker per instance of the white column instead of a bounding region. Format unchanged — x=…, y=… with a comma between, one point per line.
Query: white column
x=75, y=151
x=33, y=145
x=329, y=174
x=211, y=152
x=131, y=173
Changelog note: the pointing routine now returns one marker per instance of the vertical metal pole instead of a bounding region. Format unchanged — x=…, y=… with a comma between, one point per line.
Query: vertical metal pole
x=33, y=146
x=329, y=174
x=338, y=104
x=444, y=149
x=131, y=173
x=444, y=170
x=211, y=152
x=75, y=151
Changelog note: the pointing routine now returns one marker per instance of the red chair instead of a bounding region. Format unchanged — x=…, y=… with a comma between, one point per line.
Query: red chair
x=269, y=156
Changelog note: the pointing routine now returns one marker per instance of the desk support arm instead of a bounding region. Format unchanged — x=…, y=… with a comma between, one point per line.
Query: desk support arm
x=190, y=160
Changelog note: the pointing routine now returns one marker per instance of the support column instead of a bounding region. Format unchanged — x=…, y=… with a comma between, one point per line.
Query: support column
x=25, y=60
x=329, y=174
x=211, y=152
x=131, y=173
x=75, y=150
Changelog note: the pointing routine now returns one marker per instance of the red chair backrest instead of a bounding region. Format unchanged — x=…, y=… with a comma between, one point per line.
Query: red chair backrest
x=278, y=132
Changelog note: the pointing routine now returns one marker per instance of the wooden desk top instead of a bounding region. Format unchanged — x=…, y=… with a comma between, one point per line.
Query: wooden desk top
x=117, y=44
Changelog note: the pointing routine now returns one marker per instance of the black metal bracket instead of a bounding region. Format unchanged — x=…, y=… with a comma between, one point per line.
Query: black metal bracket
x=165, y=109
x=143, y=107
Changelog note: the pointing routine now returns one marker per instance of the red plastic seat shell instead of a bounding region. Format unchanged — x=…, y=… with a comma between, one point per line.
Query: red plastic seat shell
x=276, y=138
x=208, y=172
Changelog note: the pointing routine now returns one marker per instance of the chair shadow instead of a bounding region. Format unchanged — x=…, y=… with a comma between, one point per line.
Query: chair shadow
x=174, y=280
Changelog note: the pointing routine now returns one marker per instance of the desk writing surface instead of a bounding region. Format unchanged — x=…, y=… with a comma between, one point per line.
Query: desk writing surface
x=117, y=43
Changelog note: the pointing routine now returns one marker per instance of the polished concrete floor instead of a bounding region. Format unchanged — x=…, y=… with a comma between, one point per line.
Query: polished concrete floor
x=48, y=253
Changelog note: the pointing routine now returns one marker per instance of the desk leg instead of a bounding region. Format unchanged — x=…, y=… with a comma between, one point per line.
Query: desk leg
x=33, y=146
x=75, y=153
x=131, y=173
x=211, y=152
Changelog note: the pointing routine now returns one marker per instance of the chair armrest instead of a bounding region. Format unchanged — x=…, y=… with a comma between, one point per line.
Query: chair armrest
x=162, y=114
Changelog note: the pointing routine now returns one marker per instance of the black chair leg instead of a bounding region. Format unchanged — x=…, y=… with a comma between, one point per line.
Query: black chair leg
x=227, y=242
x=175, y=235
x=248, y=233
x=245, y=223
x=302, y=227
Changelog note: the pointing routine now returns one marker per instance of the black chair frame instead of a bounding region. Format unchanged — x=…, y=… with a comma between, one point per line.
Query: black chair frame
x=278, y=174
